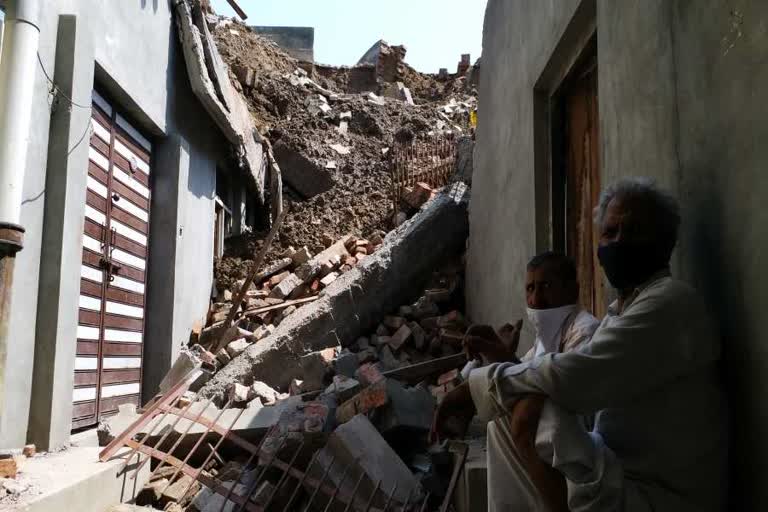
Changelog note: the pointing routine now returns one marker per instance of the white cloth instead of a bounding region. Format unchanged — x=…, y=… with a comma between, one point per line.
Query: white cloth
x=650, y=374
x=548, y=324
x=577, y=330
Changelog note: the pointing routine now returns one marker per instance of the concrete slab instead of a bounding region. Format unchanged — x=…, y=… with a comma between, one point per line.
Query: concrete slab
x=75, y=480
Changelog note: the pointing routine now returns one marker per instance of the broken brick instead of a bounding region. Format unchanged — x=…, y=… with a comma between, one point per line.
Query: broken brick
x=301, y=256
x=401, y=336
x=264, y=392
x=452, y=338
x=381, y=330
x=223, y=357
x=237, y=393
x=237, y=347
x=327, y=280
x=368, y=374
x=8, y=466
x=276, y=279
x=365, y=401
x=419, y=335
x=285, y=287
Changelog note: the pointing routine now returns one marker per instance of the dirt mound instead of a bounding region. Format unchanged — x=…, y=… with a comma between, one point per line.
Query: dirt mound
x=340, y=135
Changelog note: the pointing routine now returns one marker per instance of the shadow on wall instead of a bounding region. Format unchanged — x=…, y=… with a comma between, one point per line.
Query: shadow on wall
x=154, y=4
x=719, y=275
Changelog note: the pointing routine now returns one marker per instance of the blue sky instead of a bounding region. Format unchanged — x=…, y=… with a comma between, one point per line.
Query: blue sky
x=435, y=32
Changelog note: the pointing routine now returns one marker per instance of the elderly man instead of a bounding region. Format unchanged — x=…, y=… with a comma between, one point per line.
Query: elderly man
x=649, y=373
x=560, y=325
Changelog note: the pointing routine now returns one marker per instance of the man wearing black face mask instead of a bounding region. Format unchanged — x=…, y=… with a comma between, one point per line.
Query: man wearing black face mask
x=649, y=374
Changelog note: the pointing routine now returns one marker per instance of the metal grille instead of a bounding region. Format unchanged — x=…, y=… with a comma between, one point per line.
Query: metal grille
x=431, y=161
x=277, y=455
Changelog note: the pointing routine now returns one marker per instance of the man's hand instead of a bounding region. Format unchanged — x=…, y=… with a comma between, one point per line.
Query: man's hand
x=453, y=415
x=481, y=341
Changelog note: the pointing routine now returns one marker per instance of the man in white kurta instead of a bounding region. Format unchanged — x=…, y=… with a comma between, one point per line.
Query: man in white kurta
x=649, y=374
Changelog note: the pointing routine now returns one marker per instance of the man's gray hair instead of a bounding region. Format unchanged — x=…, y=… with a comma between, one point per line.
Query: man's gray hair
x=667, y=218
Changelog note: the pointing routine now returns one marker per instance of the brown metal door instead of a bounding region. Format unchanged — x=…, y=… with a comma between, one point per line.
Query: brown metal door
x=583, y=184
x=110, y=331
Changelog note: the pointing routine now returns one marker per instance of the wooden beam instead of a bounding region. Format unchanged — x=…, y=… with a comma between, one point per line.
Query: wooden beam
x=237, y=9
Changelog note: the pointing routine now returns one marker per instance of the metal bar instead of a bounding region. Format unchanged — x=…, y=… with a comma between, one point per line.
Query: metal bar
x=178, y=441
x=391, y=495
x=301, y=481
x=325, y=475
x=256, y=481
x=285, y=475
x=242, y=443
x=162, y=439
x=207, y=481
x=213, y=450
x=132, y=430
x=197, y=444
x=149, y=434
x=408, y=500
x=247, y=463
x=354, y=491
x=426, y=501
x=240, y=295
x=373, y=495
x=338, y=487
x=237, y=9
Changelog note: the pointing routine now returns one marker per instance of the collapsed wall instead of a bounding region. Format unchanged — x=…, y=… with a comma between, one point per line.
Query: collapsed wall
x=358, y=299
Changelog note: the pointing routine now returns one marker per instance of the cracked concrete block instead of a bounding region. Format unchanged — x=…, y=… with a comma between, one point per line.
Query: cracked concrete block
x=358, y=442
x=353, y=304
x=409, y=409
x=302, y=174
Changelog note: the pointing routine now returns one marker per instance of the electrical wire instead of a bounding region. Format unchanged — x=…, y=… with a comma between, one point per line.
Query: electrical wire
x=56, y=88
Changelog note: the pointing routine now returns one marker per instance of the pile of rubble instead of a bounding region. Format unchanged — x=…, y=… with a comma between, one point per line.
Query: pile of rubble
x=294, y=279
x=360, y=413
x=332, y=133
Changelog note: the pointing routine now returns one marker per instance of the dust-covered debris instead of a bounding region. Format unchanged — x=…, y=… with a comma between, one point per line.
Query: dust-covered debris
x=343, y=138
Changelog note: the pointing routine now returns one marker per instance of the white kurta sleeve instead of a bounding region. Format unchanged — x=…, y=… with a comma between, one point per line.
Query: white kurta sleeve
x=653, y=342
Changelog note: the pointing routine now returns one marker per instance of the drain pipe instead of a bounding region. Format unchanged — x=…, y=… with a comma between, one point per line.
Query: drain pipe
x=17, y=79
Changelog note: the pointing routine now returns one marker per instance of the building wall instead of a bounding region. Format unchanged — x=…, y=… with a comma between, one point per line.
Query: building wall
x=131, y=50
x=518, y=38
x=681, y=85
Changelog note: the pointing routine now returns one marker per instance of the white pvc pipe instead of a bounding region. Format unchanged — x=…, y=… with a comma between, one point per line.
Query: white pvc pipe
x=18, y=66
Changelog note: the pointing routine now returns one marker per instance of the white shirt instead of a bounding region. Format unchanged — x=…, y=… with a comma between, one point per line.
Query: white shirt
x=650, y=373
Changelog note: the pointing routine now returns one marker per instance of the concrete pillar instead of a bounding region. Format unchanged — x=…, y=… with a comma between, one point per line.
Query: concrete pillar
x=59, y=286
x=166, y=257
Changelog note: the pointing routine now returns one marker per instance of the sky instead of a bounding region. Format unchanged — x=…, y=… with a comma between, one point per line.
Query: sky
x=435, y=32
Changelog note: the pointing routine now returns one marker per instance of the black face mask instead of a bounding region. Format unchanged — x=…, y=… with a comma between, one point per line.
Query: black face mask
x=628, y=265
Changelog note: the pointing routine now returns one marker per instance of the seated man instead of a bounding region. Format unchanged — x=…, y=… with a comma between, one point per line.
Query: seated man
x=552, y=294
x=649, y=373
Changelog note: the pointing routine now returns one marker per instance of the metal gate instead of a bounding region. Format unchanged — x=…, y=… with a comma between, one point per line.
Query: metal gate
x=110, y=332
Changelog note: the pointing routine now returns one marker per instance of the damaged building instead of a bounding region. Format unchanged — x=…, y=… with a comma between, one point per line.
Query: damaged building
x=239, y=234
x=129, y=187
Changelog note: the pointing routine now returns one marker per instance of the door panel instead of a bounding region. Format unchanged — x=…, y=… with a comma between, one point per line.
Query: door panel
x=115, y=239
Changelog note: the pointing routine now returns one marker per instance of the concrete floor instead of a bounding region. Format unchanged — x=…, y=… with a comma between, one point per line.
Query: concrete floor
x=75, y=480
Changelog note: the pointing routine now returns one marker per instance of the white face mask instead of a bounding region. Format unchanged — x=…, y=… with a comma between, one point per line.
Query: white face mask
x=547, y=323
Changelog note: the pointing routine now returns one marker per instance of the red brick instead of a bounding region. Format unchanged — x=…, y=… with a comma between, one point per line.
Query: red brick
x=370, y=398
x=368, y=374
x=276, y=279
x=393, y=322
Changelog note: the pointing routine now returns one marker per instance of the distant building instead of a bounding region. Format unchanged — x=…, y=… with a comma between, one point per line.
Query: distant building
x=298, y=42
